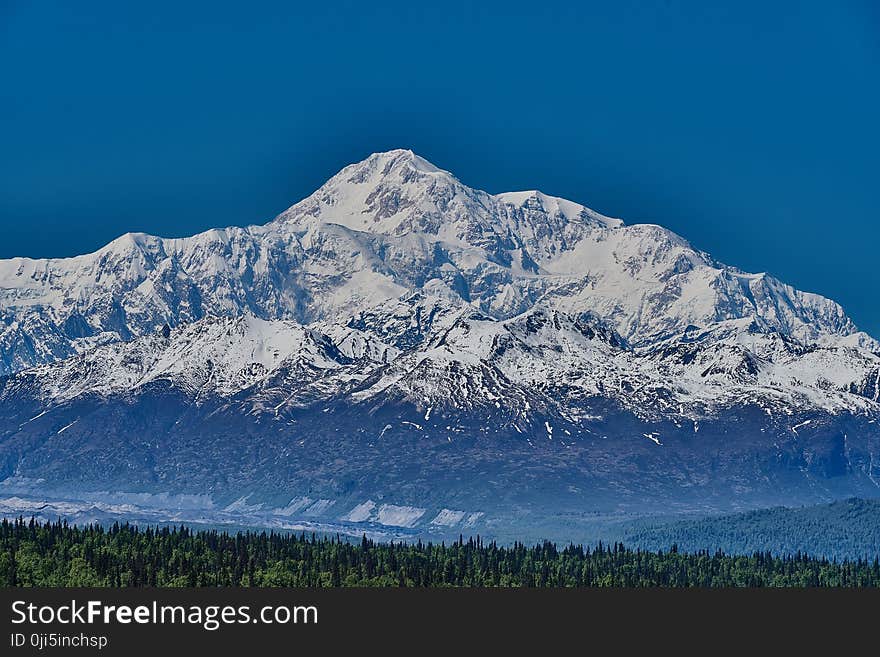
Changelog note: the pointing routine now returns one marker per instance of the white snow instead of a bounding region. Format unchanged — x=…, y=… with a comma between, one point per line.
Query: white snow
x=449, y=518
x=361, y=513
x=63, y=429
x=293, y=507
x=241, y=505
x=319, y=507
x=653, y=437
x=399, y=516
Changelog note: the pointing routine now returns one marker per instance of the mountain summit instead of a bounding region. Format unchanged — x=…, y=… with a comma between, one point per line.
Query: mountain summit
x=399, y=350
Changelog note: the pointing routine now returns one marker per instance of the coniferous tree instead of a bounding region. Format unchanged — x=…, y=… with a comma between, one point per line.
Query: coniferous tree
x=57, y=554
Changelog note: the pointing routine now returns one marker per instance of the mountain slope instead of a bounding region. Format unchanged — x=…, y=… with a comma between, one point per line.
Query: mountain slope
x=436, y=409
x=848, y=529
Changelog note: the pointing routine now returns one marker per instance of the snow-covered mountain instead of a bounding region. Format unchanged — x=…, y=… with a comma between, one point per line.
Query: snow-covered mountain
x=399, y=336
x=378, y=230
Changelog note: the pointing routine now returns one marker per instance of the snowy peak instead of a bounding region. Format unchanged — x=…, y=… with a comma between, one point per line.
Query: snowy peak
x=388, y=193
x=399, y=193
x=381, y=230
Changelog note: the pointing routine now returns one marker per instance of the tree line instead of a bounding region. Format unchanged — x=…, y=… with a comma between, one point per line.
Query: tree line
x=57, y=554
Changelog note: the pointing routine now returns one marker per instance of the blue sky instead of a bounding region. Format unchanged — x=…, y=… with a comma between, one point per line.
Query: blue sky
x=750, y=129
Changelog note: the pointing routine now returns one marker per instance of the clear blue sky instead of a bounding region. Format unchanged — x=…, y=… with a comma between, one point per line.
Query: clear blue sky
x=751, y=129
